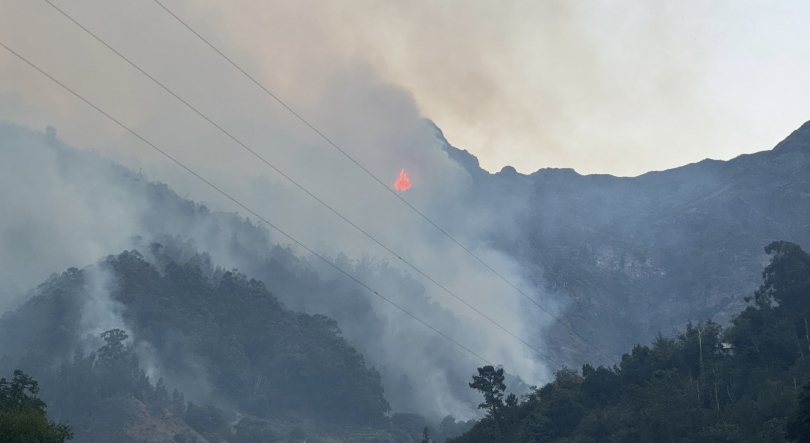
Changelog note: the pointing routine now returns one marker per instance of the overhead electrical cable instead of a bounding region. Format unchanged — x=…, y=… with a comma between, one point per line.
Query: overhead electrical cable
x=294, y=182
x=238, y=203
x=383, y=184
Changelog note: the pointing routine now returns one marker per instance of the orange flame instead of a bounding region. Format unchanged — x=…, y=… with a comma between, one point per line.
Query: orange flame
x=402, y=184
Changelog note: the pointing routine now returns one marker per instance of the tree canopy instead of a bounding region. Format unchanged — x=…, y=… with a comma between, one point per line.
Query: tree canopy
x=217, y=333
x=22, y=414
x=747, y=383
x=489, y=382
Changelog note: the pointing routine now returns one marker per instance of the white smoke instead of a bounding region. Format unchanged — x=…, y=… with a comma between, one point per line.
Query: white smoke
x=100, y=311
x=90, y=211
x=422, y=371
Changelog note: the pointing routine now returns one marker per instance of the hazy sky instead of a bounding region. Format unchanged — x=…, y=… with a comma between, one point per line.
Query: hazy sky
x=616, y=87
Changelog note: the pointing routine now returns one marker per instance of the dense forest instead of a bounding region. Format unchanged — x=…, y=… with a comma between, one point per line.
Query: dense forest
x=201, y=354
x=749, y=382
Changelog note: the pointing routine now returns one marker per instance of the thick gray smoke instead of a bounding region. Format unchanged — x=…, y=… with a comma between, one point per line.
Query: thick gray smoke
x=70, y=208
x=617, y=87
x=58, y=212
x=100, y=311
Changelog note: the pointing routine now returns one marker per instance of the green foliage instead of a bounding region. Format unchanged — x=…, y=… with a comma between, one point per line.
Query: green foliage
x=22, y=414
x=113, y=349
x=216, y=332
x=489, y=382
x=266, y=359
x=20, y=393
x=705, y=385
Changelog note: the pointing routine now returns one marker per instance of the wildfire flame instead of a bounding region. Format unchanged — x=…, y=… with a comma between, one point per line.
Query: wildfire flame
x=402, y=184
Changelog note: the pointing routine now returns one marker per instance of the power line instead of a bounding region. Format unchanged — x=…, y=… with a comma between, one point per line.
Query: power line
x=388, y=188
x=229, y=197
x=291, y=180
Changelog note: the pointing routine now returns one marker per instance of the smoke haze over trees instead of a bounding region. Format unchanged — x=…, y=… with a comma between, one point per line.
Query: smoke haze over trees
x=151, y=307
x=119, y=209
x=567, y=233
x=620, y=259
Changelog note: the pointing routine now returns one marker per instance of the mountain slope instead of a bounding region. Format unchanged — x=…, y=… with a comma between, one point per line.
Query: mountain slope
x=642, y=255
x=66, y=207
x=222, y=337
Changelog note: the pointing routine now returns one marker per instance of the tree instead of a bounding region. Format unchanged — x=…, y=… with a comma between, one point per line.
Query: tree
x=799, y=426
x=426, y=436
x=489, y=382
x=114, y=347
x=13, y=394
x=786, y=278
x=22, y=414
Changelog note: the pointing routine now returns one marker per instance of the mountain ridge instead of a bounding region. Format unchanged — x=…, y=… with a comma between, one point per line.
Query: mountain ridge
x=645, y=245
x=797, y=140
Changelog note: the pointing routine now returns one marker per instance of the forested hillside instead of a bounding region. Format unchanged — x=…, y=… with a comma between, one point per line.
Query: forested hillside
x=87, y=207
x=749, y=382
x=253, y=370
